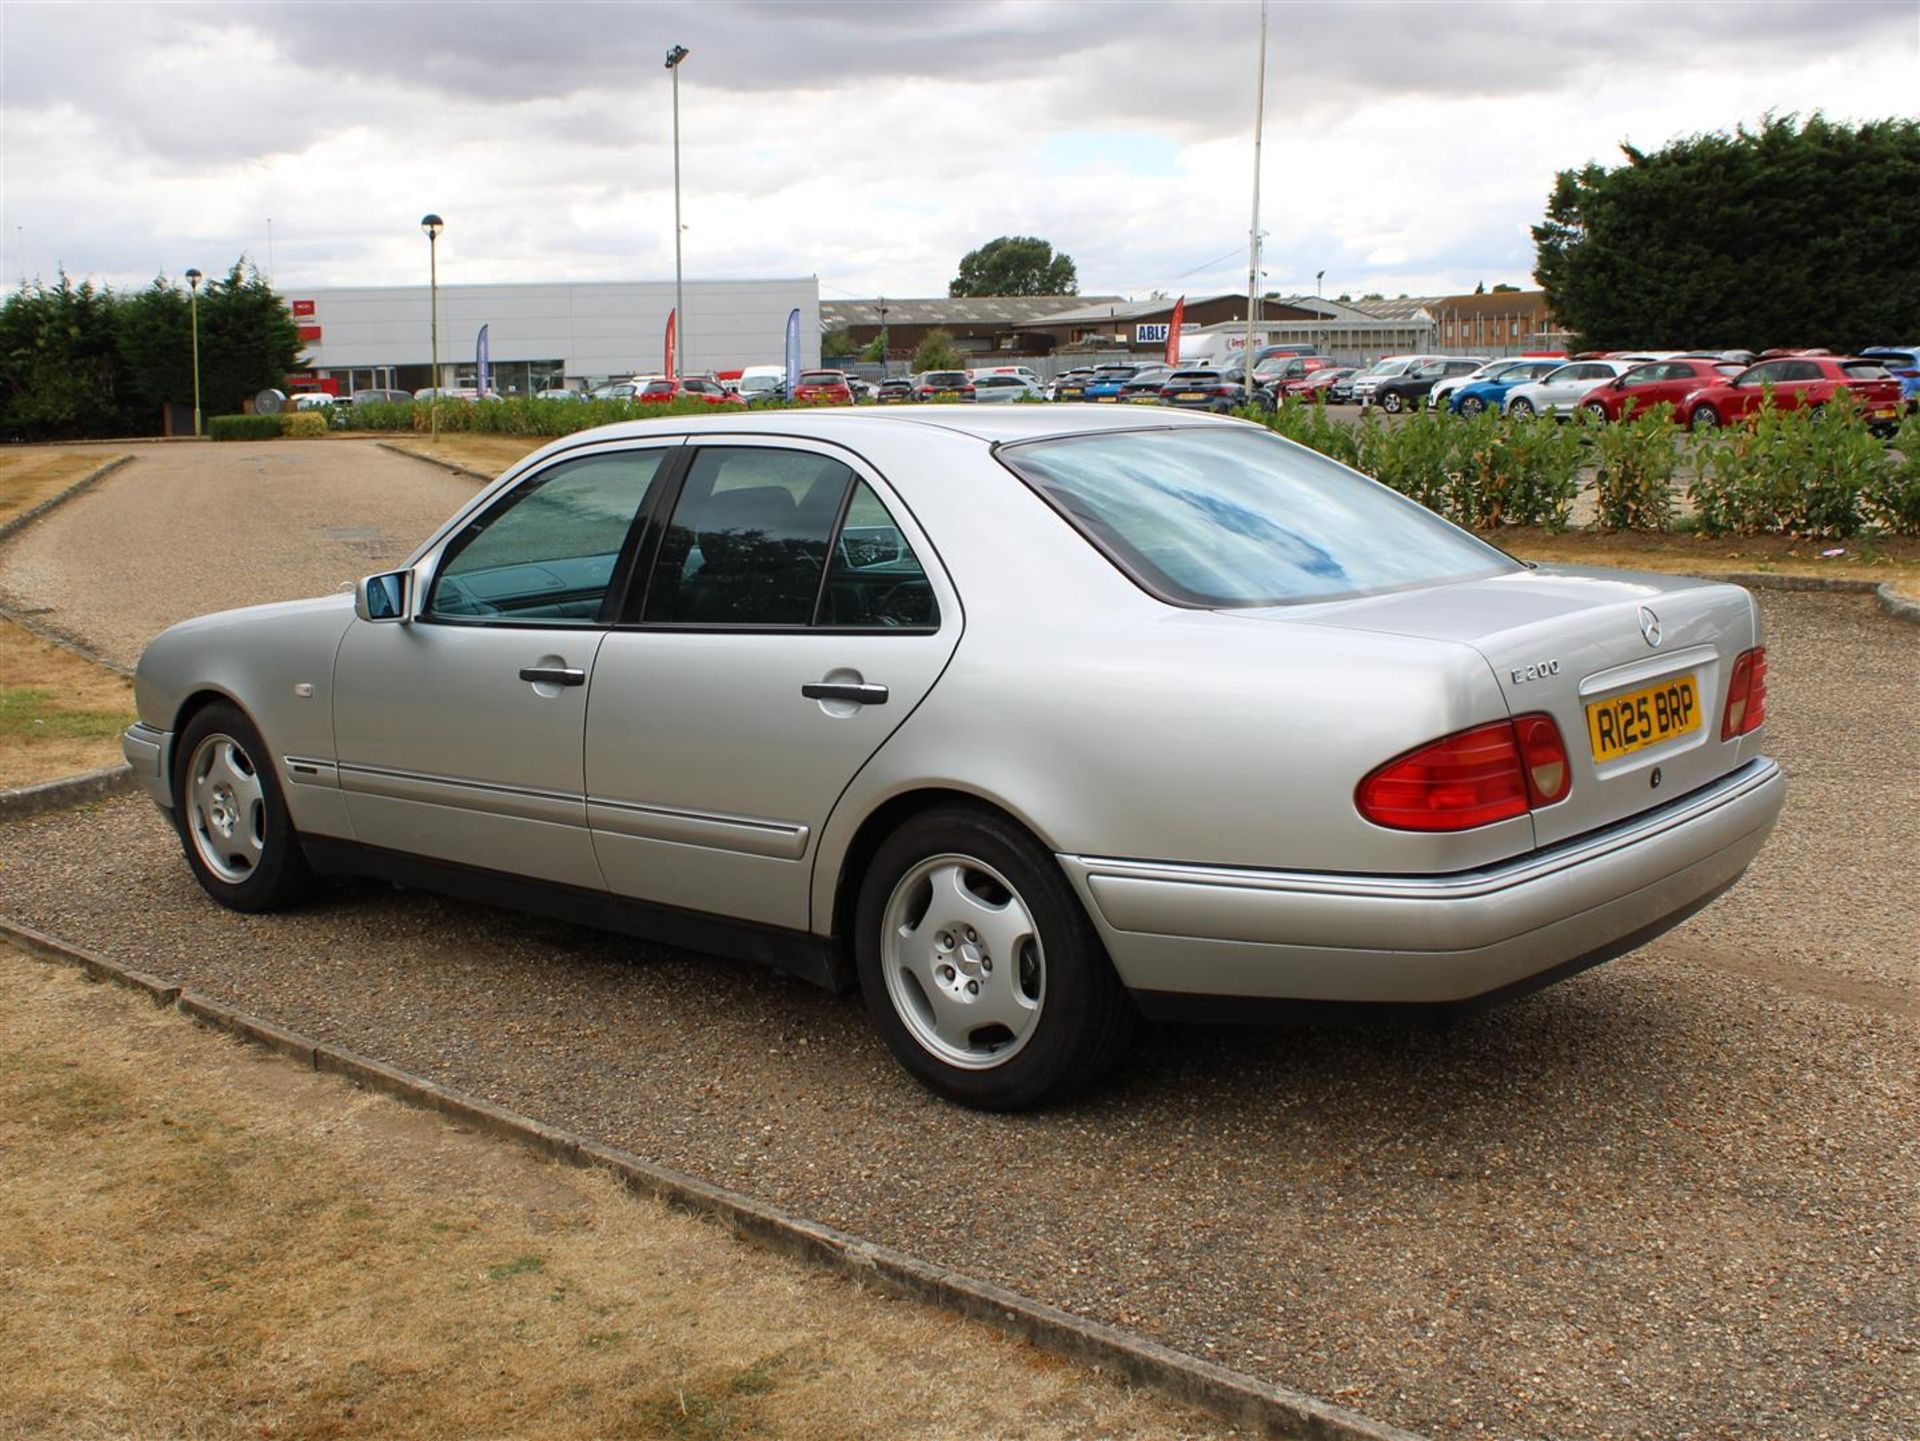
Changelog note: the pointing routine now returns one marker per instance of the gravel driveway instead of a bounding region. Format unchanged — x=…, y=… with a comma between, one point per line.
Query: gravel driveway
x=1674, y=1197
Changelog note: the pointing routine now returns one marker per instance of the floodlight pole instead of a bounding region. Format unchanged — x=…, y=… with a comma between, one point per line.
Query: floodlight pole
x=1253, y=238
x=193, y=307
x=674, y=57
x=432, y=225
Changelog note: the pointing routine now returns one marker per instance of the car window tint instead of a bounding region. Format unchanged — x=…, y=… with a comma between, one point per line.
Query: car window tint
x=547, y=553
x=1222, y=517
x=748, y=538
x=875, y=581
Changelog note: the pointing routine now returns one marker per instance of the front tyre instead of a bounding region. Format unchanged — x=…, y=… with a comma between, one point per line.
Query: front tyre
x=979, y=967
x=1392, y=403
x=233, y=820
x=1704, y=417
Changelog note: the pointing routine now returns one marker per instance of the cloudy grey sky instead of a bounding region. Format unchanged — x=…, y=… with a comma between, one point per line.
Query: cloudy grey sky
x=1408, y=145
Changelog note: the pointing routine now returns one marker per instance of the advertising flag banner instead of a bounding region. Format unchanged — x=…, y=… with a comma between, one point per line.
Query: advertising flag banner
x=793, y=350
x=480, y=362
x=673, y=343
x=1173, y=331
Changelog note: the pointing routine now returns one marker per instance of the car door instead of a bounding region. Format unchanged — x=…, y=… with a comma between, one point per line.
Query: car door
x=792, y=617
x=459, y=734
x=1752, y=386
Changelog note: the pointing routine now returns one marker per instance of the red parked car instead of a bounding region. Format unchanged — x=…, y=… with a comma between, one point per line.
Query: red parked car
x=823, y=387
x=661, y=390
x=1645, y=386
x=1314, y=385
x=1798, y=382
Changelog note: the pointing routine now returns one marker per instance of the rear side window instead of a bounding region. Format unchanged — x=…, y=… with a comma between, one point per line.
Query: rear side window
x=1232, y=517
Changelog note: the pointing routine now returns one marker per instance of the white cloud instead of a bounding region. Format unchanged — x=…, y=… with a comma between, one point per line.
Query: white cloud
x=1408, y=146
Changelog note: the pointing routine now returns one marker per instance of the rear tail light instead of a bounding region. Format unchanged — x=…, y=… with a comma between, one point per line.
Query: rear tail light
x=1746, y=695
x=1471, y=778
x=966, y=390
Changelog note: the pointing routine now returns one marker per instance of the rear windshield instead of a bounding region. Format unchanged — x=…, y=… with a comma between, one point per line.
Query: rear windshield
x=946, y=377
x=1238, y=517
x=822, y=377
x=1865, y=370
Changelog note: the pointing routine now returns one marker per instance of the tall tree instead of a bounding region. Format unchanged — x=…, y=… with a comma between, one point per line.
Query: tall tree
x=154, y=330
x=1015, y=265
x=248, y=339
x=1792, y=234
x=59, y=369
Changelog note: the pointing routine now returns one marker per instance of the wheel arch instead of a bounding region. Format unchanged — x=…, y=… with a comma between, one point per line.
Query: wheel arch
x=879, y=823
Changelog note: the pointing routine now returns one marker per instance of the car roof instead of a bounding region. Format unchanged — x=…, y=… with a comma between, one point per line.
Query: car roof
x=990, y=424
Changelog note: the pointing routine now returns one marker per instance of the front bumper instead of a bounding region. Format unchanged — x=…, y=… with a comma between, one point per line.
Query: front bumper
x=150, y=751
x=1181, y=933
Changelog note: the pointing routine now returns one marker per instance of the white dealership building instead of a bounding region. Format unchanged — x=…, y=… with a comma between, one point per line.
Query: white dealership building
x=543, y=336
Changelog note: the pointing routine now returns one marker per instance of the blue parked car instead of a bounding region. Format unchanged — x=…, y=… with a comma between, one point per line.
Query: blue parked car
x=1107, y=380
x=1903, y=364
x=1488, y=394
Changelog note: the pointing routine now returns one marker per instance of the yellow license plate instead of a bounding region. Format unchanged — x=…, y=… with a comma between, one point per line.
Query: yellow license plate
x=1190, y=395
x=1646, y=717
x=1105, y=399
x=1143, y=400
x=1884, y=411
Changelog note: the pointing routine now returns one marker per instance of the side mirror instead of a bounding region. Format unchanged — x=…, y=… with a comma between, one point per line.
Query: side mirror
x=386, y=597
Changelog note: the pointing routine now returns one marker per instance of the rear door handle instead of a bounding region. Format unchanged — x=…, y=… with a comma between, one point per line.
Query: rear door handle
x=553, y=675
x=858, y=693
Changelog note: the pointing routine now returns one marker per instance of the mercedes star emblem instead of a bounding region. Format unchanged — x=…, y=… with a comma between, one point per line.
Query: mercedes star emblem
x=1649, y=626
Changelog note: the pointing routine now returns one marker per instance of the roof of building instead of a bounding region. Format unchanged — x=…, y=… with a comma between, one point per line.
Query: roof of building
x=1493, y=302
x=1404, y=307
x=944, y=310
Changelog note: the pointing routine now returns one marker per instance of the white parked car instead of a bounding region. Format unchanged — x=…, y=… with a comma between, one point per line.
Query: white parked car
x=1559, y=392
x=1021, y=719
x=1000, y=389
x=313, y=400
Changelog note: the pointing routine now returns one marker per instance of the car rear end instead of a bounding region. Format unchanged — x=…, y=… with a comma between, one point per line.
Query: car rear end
x=1201, y=390
x=1903, y=364
x=1107, y=382
x=1876, y=388
x=1405, y=790
x=944, y=386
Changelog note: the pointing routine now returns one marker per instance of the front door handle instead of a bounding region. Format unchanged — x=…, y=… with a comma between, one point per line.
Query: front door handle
x=553, y=675
x=855, y=691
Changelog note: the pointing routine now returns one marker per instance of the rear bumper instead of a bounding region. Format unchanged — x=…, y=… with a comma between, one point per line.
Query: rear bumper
x=1186, y=932
x=148, y=751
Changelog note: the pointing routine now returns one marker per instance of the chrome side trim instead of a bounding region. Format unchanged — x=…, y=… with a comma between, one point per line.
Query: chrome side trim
x=1753, y=776
x=751, y=835
x=305, y=771
x=467, y=795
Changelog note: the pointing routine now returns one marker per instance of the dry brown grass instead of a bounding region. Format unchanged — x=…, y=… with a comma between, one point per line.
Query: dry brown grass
x=31, y=474
x=1884, y=558
x=199, y=1239
x=59, y=715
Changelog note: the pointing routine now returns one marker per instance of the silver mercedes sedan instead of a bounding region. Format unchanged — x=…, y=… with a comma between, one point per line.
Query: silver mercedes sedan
x=1027, y=720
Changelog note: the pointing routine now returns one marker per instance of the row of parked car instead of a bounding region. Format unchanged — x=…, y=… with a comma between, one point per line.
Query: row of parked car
x=1706, y=389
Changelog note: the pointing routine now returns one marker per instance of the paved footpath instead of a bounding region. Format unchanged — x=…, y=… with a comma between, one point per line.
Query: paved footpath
x=1673, y=1197
x=188, y=529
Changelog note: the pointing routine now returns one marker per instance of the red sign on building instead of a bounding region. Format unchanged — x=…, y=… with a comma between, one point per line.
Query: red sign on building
x=310, y=332
x=303, y=307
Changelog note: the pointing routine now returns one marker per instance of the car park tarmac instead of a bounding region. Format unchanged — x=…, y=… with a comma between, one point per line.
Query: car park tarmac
x=1672, y=1197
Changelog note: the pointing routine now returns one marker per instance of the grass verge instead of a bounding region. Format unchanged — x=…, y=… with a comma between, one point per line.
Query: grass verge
x=199, y=1239
x=59, y=715
x=30, y=475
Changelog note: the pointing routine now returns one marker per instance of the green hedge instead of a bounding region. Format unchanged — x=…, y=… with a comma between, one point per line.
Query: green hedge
x=245, y=427
x=1797, y=472
x=522, y=415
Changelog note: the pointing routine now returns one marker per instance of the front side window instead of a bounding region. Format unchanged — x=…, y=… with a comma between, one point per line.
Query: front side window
x=1231, y=518
x=747, y=543
x=546, y=554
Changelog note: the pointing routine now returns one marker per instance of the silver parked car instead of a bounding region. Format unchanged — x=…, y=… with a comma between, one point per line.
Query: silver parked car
x=1560, y=391
x=1026, y=719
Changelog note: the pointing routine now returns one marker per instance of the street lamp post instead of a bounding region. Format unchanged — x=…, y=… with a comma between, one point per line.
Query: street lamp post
x=432, y=224
x=883, y=337
x=193, y=307
x=674, y=57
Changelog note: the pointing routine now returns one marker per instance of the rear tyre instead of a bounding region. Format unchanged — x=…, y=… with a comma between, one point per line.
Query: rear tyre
x=233, y=820
x=1522, y=407
x=1596, y=410
x=1472, y=405
x=1704, y=417
x=980, y=968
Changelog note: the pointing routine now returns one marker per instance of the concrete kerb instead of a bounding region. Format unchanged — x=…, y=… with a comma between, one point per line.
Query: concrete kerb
x=47, y=796
x=79, y=487
x=447, y=465
x=1233, y=1396
x=1899, y=606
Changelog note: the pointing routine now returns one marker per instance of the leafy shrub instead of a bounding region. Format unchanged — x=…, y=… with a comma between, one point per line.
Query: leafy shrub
x=1798, y=472
x=305, y=424
x=245, y=427
x=379, y=415
x=1891, y=498
x=1634, y=462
